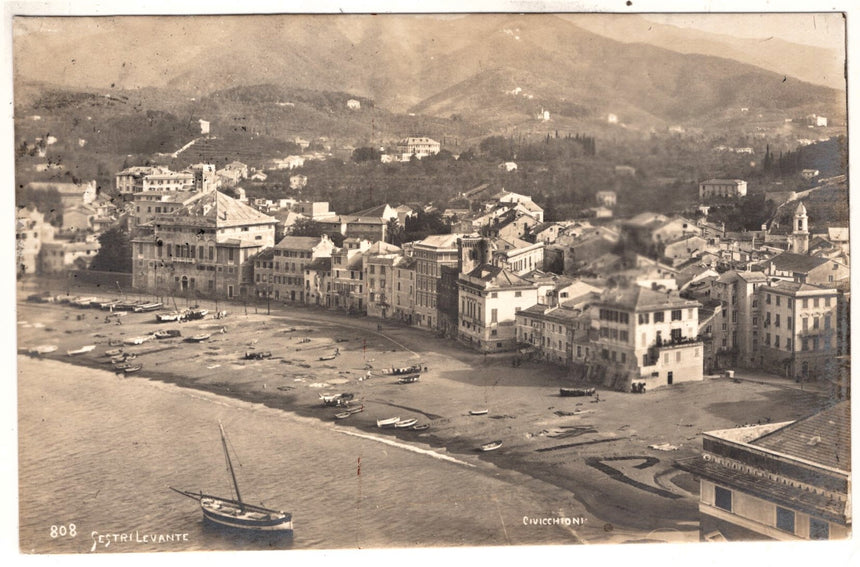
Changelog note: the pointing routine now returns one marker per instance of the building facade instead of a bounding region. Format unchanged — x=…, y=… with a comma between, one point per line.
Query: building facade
x=726, y=188
x=431, y=254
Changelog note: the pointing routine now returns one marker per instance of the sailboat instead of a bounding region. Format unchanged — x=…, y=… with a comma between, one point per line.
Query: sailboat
x=236, y=513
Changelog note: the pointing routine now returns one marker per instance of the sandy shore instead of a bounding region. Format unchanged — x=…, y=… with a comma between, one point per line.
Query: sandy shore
x=598, y=453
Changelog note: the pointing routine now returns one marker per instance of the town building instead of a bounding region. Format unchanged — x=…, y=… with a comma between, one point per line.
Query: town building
x=290, y=257
x=490, y=297
x=318, y=282
x=404, y=289
x=559, y=334
x=139, y=179
x=736, y=329
x=724, y=188
x=31, y=231
x=149, y=204
x=606, y=198
x=379, y=264
x=347, y=267
x=431, y=254
x=799, y=327
x=60, y=255
x=646, y=336
x=71, y=194
x=784, y=481
x=806, y=269
x=202, y=248
x=418, y=146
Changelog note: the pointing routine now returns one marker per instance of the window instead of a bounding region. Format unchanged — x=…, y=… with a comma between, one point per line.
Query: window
x=494, y=316
x=518, y=294
x=767, y=299
x=815, y=302
x=643, y=318
x=818, y=529
x=805, y=303
x=676, y=315
x=827, y=322
x=658, y=317
x=723, y=498
x=777, y=300
x=785, y=519
x=787, y=344
x=776, y=341
x=776, y=321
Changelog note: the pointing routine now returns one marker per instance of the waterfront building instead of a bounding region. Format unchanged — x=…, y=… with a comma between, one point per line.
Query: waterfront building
x=490, y=296
x=647, y=336
x=202, y=248
x=379, y=262
x=431, y=254
x=59, y=255
x=290, y=256
x=778, y=481
x=736, y=329
x=404, y=288
x=347, y=267
x=559, y=334
x=31, y=231
x=318, y=282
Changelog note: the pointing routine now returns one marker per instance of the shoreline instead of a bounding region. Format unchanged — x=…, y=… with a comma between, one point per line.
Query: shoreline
x=523, y=410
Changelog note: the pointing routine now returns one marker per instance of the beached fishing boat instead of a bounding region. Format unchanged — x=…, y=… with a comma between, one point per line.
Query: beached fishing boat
x=113, y=352
x=83, y=301
x=400, y=371
x=82, y=350
x=342, y=415
x=339, y=400
x=124, y=357
x=234, y=513
x=170, y=317
x=257, y=355
x=196, y=313
x=198, y=338
x=409, y=379
x=138, y=340
x=129, y=368
x=576, y=392
x=491, y=446
x=406, y=423
x=387, y=422
x=43, y=349
x=479, y=412
x=328, y=357
x=357, y=409
x=145, y=307
x=167, y=334
x=421, y=427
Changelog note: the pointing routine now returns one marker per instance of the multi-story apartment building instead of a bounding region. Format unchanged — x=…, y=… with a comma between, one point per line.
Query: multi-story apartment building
x=31, y=231
x=647, y=336
x=799, y=328
x=202, y=248
x=379, y=262
x=347, y=278
x=736, y=328
x=404, y=288
x=318, y=282
x=148, y=204
x=728, y=188
x=290, y=257
x=418, y=146
x=431, y=254
x=808, y=269
x=560, y=334
x=779, y=481
x=490, y=298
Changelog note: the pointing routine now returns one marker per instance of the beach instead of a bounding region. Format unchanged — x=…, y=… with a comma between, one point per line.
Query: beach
x=611, y=454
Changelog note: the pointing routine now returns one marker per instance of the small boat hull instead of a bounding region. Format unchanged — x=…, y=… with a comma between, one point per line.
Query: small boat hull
x=223, y=513
x=479, y=412
x=492, y=446
x=405, y=423
x=387, y=422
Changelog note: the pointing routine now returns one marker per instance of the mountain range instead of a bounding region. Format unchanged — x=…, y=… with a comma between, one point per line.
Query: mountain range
x=486, y=68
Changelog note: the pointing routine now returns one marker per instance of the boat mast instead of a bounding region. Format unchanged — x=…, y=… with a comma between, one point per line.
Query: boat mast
x=230, y=466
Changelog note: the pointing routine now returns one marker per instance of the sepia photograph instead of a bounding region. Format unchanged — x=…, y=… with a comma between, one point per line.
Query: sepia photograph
x=413, y=281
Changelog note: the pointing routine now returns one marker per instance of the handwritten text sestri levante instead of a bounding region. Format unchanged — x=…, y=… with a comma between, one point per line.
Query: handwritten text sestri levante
x=105, y=540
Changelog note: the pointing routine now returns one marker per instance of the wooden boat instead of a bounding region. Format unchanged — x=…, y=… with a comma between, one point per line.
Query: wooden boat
x=124, y=357
x=357, y=409
x=196, y=313
x=198, y=338
x=169, y=317
x=130, y=368
x=82, y=350
x=108, y=305
x=43, y=349
x=83, y=301
x=491, y=446
x=145, y=307
x=479, y=412
x=405, y=423
x=400, y=371
x=421, y=427
x=387, y=422
x=257, y=355
x=328, y=357
x=113, y=352
x=576, y=392
x=234, y=513
x=409, y=379
x=342, y=415
x=138, y=340
x=167, y=334
x=337, y=399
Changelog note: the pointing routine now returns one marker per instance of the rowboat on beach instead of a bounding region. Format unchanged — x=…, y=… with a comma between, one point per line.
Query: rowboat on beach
x=339, y=400
x=421, y=427
x=357, y=409
x=400, y=371
x=387, y=422
x=257, y=355
x=405, y=423
x=328, y=357
x=235, y=513
x=128, y=368
x=169, y=317
x=479, y=412
x=83, y=301
x=167, y=334
x=196, y=313
x=43, y=349
x=576, y=392
x=409, y=379
x=144, y=307
x=343, y=415
x=113, y=352
x=198, y=338
x=138, y=340
x=491, y=446
x=124, y=357
x=82, y=350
